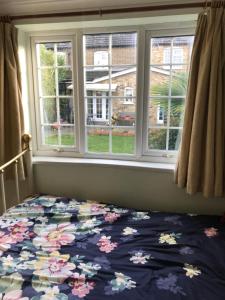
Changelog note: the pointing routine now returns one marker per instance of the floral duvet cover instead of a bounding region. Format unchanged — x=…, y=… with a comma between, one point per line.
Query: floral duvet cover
x=60, y=248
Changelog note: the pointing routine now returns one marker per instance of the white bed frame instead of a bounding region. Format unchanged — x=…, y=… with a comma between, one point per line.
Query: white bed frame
x=26, y=155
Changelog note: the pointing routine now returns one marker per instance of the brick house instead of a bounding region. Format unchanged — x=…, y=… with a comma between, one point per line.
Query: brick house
x=123, y=76
x=121, y=85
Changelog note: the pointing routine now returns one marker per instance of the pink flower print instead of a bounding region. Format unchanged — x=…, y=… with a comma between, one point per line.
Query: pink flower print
x=19, y=231
x=18, y=234
x=55, y=236
x=14, y=295
x=96, y=208
x=111, y=217
x=105, y=244
x=5, y=241
x=81, y=287
x=17, y=228
x=211, y=232
x=55, y=268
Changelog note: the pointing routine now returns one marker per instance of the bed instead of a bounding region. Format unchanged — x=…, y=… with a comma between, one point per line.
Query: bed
x=65, y=248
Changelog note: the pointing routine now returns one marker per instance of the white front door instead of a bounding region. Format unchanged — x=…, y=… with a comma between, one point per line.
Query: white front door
x=100, y=106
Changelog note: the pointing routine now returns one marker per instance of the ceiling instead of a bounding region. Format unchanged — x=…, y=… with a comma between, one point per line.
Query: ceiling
x=21, y=7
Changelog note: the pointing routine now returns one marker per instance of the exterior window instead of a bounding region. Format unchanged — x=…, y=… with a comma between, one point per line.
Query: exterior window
x=101, y=58
x=129, y=94
x=167, y=91
x=55, y=97
x=178, y=55
x=160, y=115
x=111, y=114
x=111, y=127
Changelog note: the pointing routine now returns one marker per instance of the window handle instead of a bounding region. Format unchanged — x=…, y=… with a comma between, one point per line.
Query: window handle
x=58, y=150
x=168, y=155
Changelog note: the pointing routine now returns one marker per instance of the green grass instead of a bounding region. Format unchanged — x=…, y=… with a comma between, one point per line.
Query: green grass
x=67, y=140
x=98, y=143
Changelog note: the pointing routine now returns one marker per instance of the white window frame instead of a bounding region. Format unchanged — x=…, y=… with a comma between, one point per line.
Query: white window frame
x=159, y=121
x=99, y=60
x=161, y=156
x=76, y=37
x=177, y=61
x=129, y=29
x=129, y=99
x=175, y=58
x=39, y=147
x=94, y=99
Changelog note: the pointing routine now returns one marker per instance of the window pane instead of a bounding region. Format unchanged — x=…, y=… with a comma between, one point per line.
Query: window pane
x=50, y=135
x=98, y=140
x=66, y=111
x=157, y=139
x=177, y=112
x=55, y=86
x=96, y=80
x=174, y=139
x=185, y=43
x=47, y=85
x=169, y=67
x=123, y=141
x=64, y=54
x=160, y=81
x=49, y=110
x=158, y=112
x=110, y=91
x=94, y=46
x=124, y=47
x=179, y=82
x=45, y=54
x=124, y=81
x=123, y=112
x=65, y=81
x=67, y=136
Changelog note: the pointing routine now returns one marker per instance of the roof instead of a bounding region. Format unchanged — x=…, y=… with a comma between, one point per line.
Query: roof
x=128, y=71
x=98, y=72
x=118, y=40
x=96, y=85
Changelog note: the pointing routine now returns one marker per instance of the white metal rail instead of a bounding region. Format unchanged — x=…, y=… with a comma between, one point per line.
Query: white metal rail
x=26, y=146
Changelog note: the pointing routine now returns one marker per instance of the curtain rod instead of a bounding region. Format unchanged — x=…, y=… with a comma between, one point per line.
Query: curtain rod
x=110, y=11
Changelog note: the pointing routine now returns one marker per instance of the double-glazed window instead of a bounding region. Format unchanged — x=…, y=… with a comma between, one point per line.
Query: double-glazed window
x=167, y=91
x=55, y=95
x=94, y=97
x=111, y=127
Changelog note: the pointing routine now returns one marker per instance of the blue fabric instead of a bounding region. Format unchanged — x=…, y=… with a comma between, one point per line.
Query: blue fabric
x=60, y=248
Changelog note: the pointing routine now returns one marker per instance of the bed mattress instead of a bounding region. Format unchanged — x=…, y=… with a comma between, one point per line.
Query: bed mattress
x=60, y=248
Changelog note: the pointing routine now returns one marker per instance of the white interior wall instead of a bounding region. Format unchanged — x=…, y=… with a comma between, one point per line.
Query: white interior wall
x=130, y=187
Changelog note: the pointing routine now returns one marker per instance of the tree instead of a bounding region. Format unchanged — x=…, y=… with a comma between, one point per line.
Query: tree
x=178, y=88
x=48, y=84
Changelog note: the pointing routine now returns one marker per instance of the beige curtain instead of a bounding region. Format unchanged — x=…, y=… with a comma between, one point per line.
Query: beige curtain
x=201, y=163
x=11, y=113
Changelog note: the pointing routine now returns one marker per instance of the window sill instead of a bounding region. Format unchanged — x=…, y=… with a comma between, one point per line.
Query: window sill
x=158, y=167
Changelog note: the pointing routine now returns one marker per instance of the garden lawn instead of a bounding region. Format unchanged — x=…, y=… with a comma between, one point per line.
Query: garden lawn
x=98, y=143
